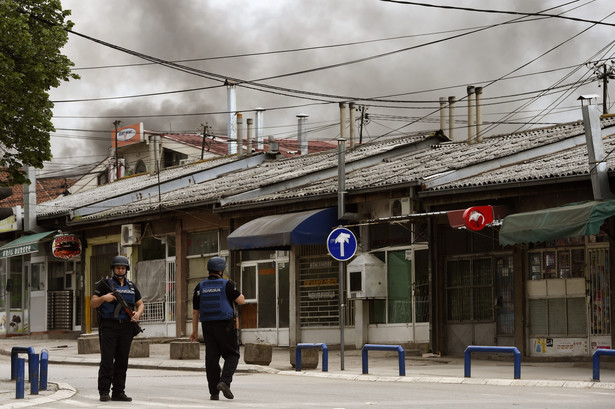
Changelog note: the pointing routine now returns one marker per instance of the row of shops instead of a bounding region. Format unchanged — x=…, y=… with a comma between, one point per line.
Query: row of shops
x=418, y=279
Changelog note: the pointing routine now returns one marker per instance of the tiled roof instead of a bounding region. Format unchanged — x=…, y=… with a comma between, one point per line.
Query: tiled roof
x=46, y=189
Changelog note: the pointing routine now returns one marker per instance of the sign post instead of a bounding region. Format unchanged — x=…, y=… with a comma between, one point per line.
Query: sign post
x=342, y=246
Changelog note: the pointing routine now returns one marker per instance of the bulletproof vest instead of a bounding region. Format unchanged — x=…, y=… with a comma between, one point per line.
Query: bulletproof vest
x=127, y=291
x=214, y=305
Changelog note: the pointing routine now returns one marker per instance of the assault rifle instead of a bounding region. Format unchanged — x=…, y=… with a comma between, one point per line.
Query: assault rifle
x=122, y=304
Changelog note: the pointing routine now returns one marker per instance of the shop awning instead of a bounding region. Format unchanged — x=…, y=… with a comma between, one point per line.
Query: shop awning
x=572, y=220
x=24, y=245
x=310, y=227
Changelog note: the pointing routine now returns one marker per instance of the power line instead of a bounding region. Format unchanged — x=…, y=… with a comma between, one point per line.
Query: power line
x=491, y=11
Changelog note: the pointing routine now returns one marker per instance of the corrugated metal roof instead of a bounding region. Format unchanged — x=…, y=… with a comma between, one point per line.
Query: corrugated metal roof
x=396, y=169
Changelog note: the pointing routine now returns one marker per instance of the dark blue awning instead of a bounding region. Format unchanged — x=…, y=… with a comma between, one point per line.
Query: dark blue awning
x=310, y=227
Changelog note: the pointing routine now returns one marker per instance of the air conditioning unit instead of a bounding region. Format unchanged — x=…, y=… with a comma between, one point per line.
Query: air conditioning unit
x=131, y=235
x=399, y=207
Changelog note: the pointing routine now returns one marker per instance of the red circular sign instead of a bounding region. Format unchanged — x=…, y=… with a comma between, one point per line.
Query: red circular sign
x=476, y=218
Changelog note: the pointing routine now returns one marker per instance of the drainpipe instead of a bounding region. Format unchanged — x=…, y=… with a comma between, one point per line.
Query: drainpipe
x=249, y=136
x=451, y=121
x=258, y=124
x=470, y=114
x=595, y=148
x=302, y=143
x=479, y=115
x=231, y=107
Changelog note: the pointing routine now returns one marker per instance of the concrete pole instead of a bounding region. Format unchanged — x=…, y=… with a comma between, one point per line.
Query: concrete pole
x=342, y=121
x=442, y=106
x=239, y=134
x=352, y=124
x=479, y=114
x=470, y=114
x=451, y=117
x=259, y=125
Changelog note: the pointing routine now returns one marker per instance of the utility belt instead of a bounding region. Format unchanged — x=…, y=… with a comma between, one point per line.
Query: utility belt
x=113, y=320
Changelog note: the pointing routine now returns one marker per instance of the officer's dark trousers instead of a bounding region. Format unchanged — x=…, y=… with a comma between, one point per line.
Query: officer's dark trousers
x=115, y=341
x=220, y=341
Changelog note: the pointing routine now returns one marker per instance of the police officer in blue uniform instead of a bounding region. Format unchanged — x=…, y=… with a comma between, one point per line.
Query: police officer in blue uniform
x=213, y=305
x=115, y=329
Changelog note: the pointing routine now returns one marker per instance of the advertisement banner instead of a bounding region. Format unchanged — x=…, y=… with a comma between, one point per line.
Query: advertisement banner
x=127, y=135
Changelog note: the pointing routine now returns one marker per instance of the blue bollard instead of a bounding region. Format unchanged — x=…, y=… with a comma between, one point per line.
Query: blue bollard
x=15, y=351
x=33, y=369
x=325, y=354
x=44, y=369
x=20, y=374
x=475, y=348
x=596, y=362
x=401, y=356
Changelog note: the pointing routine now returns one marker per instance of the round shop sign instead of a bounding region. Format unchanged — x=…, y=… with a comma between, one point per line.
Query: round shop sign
x=66, y=246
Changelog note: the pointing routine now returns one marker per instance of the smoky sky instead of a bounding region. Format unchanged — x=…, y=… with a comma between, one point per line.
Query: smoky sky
x=197, y=29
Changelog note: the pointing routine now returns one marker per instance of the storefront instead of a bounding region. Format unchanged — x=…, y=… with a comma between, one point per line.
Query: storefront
x=279, y=254
x=24, y=283
x=568, y=283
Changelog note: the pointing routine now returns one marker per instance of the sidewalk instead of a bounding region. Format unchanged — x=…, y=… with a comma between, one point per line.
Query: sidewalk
x=382, y=366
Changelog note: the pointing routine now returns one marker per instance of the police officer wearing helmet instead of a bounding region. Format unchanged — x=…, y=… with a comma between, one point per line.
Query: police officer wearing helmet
x=213, y=304
x=115, y=328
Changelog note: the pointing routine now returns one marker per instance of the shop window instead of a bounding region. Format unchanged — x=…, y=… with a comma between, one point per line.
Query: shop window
x=469, y=289
x=400, y=303
x=599, y=291
x=556, y=263
x=557, y=317
x=202, y=243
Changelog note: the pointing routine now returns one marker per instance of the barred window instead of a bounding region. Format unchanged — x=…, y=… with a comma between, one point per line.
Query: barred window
x=469, y=289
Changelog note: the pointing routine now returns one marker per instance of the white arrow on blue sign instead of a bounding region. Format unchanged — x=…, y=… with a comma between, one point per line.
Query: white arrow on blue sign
x=342, y=244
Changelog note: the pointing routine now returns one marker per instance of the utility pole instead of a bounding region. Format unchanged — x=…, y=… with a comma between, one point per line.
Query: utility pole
x=604, y=72
x=117, y=167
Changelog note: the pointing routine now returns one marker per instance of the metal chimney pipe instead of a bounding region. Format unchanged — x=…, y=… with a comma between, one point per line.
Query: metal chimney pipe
x=231, y=108
x=595, y=149
x=470, y=114
x=239, y=134
x=442, y=106
x=249, y=136
x=352, y=124
x=479, y=114
x=273, y=145
x=302, y=142
x=258, y=124
x=451, y=120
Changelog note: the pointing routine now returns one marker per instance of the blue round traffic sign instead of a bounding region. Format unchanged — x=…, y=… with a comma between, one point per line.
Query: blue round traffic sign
x=341, y=244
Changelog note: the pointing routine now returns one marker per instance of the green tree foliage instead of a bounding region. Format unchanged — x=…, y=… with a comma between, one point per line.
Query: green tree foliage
x=32, y=32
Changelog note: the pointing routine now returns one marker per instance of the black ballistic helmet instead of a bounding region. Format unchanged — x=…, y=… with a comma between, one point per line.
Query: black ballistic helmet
x=216, y=264
x=120, y=261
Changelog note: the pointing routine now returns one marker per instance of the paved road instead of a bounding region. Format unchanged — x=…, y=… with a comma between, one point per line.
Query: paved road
x=186, y=389
x=158, y=381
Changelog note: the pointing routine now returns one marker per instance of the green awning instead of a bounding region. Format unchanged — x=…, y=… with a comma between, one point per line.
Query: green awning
x=572, y=220
x=23, y=245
